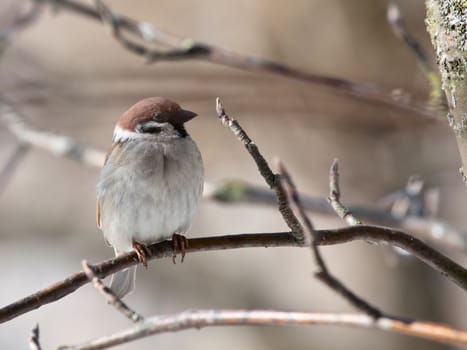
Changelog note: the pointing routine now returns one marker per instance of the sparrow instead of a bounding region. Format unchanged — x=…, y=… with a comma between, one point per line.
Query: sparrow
x=150, y=185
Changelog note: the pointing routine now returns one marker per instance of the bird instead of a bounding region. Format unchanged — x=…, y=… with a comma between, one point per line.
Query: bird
x=150, y=185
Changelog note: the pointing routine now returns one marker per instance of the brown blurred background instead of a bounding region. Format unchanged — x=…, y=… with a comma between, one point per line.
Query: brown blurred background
x=69, y=76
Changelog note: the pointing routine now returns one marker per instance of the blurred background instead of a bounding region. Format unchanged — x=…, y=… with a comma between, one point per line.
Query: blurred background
x=67, y=75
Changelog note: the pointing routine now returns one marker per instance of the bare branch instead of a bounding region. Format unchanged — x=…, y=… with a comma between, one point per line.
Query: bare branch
x=34, y=343
x=264, y=169
x=374, y=234
x=109, y=295
x=197, y=319
x=180, y=48
x=324, y=275
x=429, y=229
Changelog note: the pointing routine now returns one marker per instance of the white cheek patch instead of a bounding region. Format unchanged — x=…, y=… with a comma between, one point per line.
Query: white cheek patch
x=157, y=124
x=122, y=135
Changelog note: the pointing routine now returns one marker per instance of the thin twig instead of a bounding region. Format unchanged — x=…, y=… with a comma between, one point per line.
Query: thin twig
x=180, y=48
x=109, y=295
x=374, y=234
x=34, y=343
x=264, y=169
x=323, y=274
x=335, y=194
x=197, y=319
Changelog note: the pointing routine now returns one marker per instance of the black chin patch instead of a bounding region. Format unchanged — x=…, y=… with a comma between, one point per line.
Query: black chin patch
x=181, y=131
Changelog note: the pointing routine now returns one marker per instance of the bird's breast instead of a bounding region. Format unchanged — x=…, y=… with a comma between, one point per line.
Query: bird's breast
x=148, y=191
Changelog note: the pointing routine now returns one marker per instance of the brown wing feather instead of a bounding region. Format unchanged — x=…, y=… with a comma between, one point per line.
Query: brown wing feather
x=98, y=215
x=98, y=207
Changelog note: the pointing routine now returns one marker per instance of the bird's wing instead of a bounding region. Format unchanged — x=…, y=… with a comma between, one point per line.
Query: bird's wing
x=98, y=215
x=98, y=207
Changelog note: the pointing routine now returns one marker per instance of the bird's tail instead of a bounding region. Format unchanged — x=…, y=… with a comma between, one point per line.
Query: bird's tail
x=123, y=282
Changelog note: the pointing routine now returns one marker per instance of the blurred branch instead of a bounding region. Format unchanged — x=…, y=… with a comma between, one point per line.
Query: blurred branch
x=197, y=319
x=399, y=28
x=58, y=145
x=323, y=274
x=372, y=234
x=271, y=179
x=428, y=229
x=19, y=22
x=178, y=48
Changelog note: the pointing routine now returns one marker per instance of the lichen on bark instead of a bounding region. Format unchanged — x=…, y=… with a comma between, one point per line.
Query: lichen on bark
x=446, y=22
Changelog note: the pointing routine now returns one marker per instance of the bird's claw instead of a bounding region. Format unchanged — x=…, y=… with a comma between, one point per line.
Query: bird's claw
x=143, y=253
x=179, y=242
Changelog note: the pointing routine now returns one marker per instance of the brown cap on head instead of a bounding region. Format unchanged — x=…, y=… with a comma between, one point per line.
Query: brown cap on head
x=159, y=109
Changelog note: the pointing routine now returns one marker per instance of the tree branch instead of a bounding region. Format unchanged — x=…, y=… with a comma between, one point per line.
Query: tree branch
x=109, y=295
x=432, y=230
x=58, y=145
x=323, y=274
x=374, y=234
x=180, y=48
x=197, y=319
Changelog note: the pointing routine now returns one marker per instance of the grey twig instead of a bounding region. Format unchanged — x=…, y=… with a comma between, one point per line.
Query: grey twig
x=335, y=194
x=197, y=319
x=34, y=343
x=323, y=274
x=109, y=295
x=264, y=169
x=179, y=48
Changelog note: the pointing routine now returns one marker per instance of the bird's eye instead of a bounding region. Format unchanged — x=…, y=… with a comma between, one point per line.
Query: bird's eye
x=153, y=130
x=148, y=128
x=156, y=115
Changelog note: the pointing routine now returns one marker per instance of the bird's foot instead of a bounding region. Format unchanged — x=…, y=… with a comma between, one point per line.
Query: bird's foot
x=179, y=242
x=143, y=252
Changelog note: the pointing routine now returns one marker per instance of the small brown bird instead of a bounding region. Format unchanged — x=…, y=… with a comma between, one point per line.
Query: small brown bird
x=151, y=182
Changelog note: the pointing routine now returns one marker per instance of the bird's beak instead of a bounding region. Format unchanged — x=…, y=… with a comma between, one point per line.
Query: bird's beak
x=184, y=115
